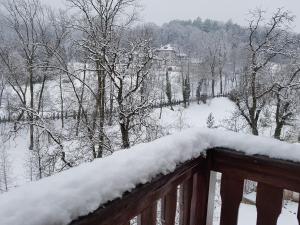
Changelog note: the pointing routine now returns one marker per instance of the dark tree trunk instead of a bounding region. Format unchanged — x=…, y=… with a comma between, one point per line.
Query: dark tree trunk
x=101, y=105
x=221, y=83
x=169, y=90
x=279, y=124
x=111, y=103
x=213, y=87
x=1, y=94
x=254, y=130
x=80, y=102
x=31, y=127
x=278, y=129
x=125, y=135
x=61, y=102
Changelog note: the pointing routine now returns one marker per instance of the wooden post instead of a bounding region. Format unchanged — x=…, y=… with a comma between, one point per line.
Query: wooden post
x=148, y=216
x=231, y=194
x=268, y=204
x=186, y=198
x=199, y=202
x=168, y=207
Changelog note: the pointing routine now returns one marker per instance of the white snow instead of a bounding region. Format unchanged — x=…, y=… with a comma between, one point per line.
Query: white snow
x=66, y=196
x=248, y=214
x=196, y=115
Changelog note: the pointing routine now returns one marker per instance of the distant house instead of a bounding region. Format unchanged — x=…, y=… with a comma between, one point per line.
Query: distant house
x=168, y=55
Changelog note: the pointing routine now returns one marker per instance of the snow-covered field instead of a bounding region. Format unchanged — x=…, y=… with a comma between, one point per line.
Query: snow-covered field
x=196, y=115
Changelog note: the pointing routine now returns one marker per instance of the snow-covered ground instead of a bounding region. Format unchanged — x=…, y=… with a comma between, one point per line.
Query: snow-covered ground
x=196, y=115
x=248, y=213
x=288, y=216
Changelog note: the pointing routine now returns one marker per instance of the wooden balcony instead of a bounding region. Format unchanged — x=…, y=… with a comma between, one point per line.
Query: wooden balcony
x=192, y=184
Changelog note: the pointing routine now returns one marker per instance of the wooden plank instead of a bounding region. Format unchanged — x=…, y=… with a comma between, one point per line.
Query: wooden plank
x=200, y=198
x=133, y=203
x=148, y=216
x=186, y=198
x=268, y=204
x=231, y=194
x=168, y=207
x=279, y=173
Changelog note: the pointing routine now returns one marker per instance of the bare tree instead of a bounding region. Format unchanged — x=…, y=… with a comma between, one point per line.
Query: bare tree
x=97, y=23
x=267, y=39
x=286, y=92
x=26, y=20
x=129, y=71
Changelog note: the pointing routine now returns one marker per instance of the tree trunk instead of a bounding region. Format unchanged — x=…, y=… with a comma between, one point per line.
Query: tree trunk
x=169, y=90
x=111, y=103
x=278, y=129
x=221, y=83
x=213, y=87
x=279, y=122
x=1, y=94
x=31, y=107
x=81, y=100
x=101, y=96
x=125, y=135
x=61, y=102
x=254, y=130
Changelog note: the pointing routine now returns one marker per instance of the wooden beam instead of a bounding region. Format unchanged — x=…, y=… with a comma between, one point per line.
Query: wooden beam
x=275, y=172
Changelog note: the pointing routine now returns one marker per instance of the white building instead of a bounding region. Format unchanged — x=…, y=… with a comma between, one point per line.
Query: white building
x=169, y=56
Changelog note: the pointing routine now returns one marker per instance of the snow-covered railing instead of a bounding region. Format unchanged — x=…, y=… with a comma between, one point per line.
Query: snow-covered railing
x=115, y=189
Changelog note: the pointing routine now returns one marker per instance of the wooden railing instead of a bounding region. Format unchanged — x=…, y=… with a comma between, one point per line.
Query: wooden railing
x=187, y=194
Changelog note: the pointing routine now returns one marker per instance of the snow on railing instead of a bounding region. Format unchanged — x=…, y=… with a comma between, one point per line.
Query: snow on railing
x=68, y=195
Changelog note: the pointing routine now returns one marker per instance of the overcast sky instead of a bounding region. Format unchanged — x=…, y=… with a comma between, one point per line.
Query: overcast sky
x=161, y=11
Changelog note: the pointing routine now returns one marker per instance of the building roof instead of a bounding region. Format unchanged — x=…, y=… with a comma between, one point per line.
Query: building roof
x=167, y=47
